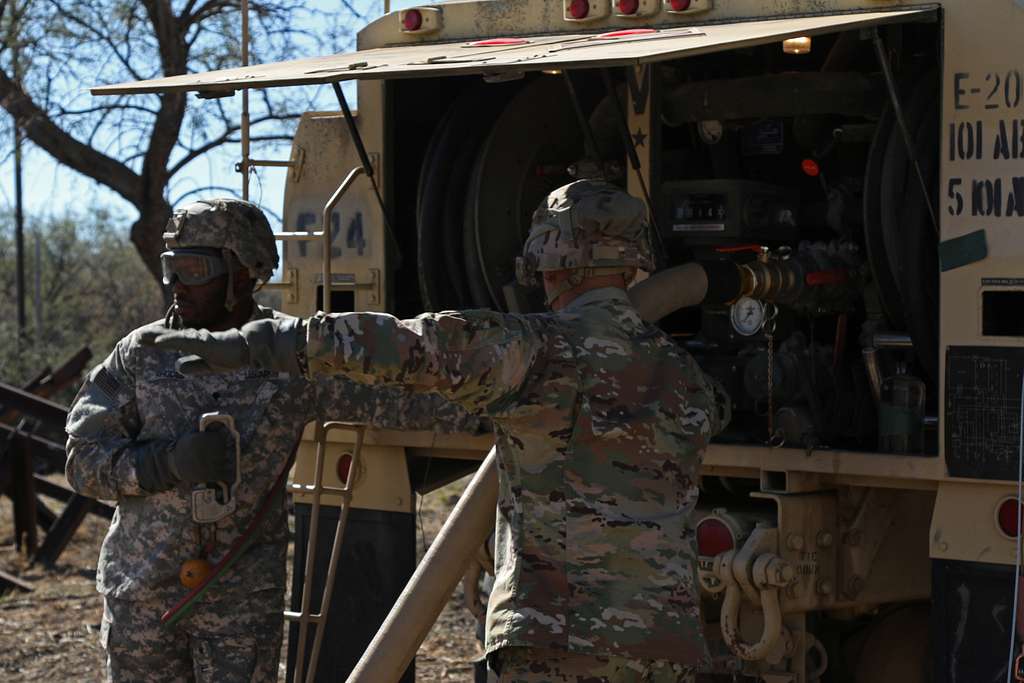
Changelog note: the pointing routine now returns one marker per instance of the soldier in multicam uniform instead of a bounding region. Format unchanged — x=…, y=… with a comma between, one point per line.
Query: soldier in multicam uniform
x=600, y=419
x=133, y=438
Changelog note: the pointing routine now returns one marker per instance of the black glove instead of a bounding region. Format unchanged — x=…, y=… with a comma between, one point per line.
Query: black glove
x=195, y=458
x=270, y=344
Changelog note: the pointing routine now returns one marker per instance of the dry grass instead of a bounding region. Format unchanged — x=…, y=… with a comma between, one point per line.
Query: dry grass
x=52, y=634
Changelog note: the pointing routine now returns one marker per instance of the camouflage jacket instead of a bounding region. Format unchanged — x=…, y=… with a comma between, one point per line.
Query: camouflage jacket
x=135, y=402
x=601, y=422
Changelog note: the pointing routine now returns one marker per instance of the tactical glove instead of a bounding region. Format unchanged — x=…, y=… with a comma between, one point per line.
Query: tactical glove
x=269, y=344
x=194, y=458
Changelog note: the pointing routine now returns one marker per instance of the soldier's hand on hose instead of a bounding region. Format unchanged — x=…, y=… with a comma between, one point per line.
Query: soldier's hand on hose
x=195, y=458
x=269, y=344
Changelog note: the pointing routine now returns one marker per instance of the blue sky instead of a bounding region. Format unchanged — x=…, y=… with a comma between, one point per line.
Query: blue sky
x=50, y=189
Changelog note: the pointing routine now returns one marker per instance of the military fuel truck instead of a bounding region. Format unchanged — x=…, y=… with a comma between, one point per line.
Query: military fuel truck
x=850, y=171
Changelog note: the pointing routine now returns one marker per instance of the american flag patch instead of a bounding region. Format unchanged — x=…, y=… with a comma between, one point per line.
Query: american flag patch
x=106, y=383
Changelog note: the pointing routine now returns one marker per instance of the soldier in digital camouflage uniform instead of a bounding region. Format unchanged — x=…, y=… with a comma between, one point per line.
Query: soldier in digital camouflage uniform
x=133, y=438
x=601, y=422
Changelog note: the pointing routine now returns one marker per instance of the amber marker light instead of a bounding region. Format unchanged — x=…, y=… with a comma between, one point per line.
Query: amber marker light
x=797, y=46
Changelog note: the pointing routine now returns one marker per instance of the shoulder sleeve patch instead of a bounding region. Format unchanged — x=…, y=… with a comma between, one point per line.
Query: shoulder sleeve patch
x=106, y=383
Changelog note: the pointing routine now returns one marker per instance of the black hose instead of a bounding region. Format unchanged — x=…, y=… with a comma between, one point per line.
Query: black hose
x=874, y=239
x=919, y=243
x=898, y=176
x=899, y=237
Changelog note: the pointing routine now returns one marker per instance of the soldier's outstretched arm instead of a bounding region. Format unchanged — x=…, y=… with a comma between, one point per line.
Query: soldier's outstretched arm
x=102, y=425
x=472, y=357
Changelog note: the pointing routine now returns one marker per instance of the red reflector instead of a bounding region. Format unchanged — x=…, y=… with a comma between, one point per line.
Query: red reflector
x=628, y=6
x=714, y=537
x=412, y=20
x=810, y=167
x=343, y=467
x=579, y=9
x=680, y=5
x=498, y=42
x=611, y=35
x=1009, y=517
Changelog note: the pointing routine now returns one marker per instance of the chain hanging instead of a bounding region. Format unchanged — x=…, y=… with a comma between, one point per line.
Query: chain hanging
x=775, y=439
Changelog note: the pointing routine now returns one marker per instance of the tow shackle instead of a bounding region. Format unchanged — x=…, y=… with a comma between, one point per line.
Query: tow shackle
x=766, y=573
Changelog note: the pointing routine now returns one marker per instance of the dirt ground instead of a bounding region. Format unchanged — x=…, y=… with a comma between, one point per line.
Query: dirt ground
x=52, y=634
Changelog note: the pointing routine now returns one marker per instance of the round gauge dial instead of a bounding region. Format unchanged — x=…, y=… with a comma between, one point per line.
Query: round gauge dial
x=747, y=316
x=710, y=131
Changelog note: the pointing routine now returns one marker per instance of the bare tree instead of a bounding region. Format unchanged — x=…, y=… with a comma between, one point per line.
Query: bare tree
x=136, y=145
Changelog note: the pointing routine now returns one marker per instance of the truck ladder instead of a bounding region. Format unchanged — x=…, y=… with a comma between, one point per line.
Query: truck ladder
x=317, y=488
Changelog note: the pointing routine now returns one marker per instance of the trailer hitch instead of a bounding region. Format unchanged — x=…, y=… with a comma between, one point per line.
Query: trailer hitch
x=759, y=576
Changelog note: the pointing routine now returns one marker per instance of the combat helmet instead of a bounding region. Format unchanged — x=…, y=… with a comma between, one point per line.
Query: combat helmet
x=590, y=227
x=226, y=223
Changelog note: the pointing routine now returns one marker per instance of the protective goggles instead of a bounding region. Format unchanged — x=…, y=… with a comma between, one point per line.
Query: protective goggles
x=192, y=266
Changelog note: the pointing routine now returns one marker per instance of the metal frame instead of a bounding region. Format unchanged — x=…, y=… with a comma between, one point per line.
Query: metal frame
x=317, y=489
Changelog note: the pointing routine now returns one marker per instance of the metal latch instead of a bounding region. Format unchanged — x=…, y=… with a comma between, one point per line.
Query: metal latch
x=347, y=282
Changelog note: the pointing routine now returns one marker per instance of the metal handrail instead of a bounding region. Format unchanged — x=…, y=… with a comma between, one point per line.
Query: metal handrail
x=303, y=616
x=325, y=304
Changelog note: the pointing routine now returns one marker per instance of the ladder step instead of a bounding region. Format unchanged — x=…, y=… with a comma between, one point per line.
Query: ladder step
x=299, y=235
x=310, y=488
x=280, y=163
x=297, y=616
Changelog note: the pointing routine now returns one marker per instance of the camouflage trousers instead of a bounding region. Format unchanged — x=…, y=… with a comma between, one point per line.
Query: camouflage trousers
x=539, y=665
x=227, y=641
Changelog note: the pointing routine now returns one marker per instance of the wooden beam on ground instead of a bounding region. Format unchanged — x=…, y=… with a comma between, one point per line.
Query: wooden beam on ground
x=34, y=383
x=12, y=581
x=65, y=374
x=49, y=382
x=45, y=517
x=65, y=494
x=22, y=491
x=59, y=535
x=51, y=452
x=30, y=405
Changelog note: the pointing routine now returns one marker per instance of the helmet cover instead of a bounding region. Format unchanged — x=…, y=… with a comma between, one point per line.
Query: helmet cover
x=226, y=223
x=587, y=224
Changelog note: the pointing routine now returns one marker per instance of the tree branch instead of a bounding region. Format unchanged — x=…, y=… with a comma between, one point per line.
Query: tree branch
x=46, y=135
x=204, y=11
x=225, y=138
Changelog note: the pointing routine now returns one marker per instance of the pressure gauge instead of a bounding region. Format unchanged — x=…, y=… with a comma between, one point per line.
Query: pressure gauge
x=747, y=316
x=710, y=131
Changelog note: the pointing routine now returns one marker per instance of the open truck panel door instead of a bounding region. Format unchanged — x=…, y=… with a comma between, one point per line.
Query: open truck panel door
x=528, y=53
